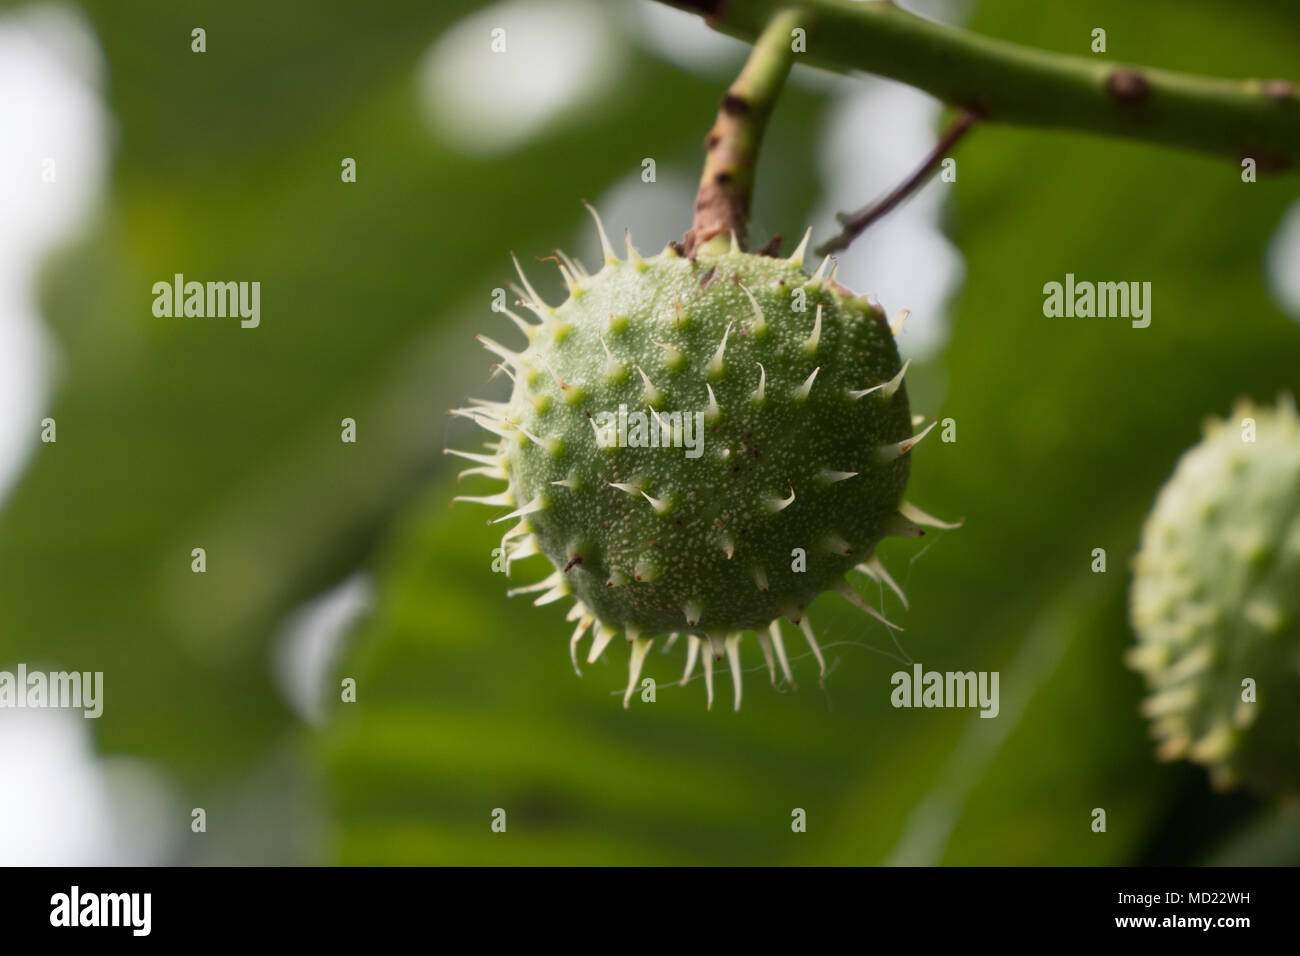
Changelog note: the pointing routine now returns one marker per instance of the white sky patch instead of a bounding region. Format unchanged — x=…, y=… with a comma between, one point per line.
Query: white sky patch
x=50, y=110
x=686, y=41
x=560, y=55
x=655, y=213
x=1282, y=262
x=945, y=11
x=61, y=806
x=306, y=649
x=59, y=803
x=875, y=136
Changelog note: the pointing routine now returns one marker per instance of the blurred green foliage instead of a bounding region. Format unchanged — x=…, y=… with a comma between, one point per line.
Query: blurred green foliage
x=180, y=435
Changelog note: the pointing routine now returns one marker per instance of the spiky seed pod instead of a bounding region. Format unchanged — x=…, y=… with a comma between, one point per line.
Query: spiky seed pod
x=1216, y=600
x=678, y=427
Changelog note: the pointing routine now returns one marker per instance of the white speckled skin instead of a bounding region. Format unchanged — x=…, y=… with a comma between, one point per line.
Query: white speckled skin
x=1216, y=599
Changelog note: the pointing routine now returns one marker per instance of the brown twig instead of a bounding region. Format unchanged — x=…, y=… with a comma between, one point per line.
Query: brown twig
x=856, y=223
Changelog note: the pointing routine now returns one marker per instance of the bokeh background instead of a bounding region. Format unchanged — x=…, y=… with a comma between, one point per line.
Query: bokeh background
x=329, y=560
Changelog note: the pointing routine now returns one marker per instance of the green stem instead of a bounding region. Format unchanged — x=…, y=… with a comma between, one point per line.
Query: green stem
x=722, y=204
x=1006, y=83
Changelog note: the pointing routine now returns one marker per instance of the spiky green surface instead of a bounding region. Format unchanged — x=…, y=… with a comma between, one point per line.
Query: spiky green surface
x=806, y=434
x=716, y=528
x=1216, y=599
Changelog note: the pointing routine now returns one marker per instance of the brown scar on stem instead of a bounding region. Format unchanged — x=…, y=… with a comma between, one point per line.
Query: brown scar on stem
x=708, y=8
x=708, y=278
x=576, y=559
x=1279, y=89
x=1267, y=162
x=734, y=105
x=772, y=248
x=1128, y=85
